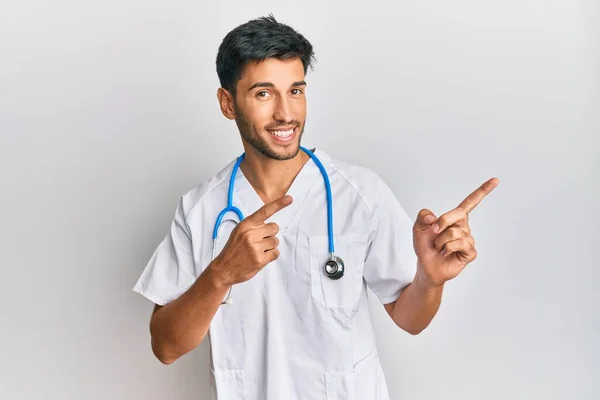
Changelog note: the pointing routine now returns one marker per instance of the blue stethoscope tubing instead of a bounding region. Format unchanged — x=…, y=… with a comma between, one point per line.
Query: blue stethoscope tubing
x=231, y=208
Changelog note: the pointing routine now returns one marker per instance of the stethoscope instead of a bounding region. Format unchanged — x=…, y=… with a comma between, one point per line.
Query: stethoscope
x=334, y=266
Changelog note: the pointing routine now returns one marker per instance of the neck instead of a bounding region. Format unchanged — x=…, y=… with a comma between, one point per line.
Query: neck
x=271, y=178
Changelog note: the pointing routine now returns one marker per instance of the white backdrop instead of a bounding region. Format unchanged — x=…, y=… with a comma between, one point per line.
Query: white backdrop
x=108, y=113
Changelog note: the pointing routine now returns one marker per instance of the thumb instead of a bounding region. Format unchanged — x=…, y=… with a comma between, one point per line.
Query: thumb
x=425, y=219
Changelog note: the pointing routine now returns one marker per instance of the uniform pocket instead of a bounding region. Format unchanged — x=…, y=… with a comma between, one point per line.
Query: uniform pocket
x=344, y=292
x=362, y=383
x=229, y=384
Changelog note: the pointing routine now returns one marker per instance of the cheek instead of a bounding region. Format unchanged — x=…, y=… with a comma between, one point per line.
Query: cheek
x=258, y=117
x=300, y=108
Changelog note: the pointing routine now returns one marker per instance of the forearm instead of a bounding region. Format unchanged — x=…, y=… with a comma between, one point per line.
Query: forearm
x=181, y=325
x=417, y=305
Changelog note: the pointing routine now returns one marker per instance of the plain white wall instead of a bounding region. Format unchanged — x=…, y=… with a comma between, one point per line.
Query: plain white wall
x=108, y=113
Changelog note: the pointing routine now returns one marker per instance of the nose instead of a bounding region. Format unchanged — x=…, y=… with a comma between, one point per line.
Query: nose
x=283, y=110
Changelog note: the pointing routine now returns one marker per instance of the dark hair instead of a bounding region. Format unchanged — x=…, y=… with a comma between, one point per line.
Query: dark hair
x=258, y=40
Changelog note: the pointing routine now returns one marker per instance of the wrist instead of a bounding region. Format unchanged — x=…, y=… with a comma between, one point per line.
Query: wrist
x=424, y=282
x=215, y=276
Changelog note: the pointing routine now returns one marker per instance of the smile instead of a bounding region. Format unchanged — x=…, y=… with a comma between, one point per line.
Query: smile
x=283, y=134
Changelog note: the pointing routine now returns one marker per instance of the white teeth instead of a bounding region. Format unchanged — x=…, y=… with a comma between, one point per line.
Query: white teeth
x=283, y=134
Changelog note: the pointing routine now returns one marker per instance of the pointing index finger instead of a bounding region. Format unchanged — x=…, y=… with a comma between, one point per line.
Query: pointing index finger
x=266, y=211
x=472, y=200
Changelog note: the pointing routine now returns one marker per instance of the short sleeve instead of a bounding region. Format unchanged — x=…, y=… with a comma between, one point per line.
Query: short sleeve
x=169, y=273
x=391, y=262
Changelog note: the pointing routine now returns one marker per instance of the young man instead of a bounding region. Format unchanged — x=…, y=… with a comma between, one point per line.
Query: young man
x=294, y=325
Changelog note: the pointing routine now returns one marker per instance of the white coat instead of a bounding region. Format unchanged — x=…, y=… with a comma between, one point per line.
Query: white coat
x=292, y=333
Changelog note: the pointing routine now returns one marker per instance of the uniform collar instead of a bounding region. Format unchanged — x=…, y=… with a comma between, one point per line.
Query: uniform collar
x=246, y=198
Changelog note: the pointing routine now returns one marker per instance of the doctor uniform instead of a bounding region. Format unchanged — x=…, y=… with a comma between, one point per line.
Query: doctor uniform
x=291, y=332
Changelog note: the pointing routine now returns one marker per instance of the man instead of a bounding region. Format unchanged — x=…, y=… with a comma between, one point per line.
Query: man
x=288, y=330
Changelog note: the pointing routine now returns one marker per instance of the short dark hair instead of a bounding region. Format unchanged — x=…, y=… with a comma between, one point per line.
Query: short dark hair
x=257, y=40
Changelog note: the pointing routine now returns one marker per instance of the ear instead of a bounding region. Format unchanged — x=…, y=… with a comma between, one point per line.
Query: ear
x=226, y=102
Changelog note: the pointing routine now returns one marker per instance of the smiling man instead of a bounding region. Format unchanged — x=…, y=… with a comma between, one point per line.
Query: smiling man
x=282, y=296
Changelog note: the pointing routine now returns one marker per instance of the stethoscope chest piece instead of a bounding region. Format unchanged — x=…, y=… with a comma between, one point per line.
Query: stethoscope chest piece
x=334, y=267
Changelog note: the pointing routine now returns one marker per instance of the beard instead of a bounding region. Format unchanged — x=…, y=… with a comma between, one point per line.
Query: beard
x=260, y=143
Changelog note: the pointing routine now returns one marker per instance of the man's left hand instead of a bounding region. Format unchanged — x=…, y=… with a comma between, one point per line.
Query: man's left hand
x=444, y=246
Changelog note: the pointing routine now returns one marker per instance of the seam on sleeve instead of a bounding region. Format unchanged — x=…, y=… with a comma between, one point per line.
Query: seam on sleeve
x=199, y=200
x=150, y=296
x=353, y=186
x=389, y=299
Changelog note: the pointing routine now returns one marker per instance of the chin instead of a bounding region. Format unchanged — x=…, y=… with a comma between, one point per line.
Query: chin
x=287, y=152
x=274, y=149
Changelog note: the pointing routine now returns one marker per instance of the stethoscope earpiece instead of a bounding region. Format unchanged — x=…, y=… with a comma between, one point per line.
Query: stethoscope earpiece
x=334, y=268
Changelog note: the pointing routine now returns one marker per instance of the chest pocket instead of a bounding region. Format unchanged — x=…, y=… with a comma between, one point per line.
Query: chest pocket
x=345, y=292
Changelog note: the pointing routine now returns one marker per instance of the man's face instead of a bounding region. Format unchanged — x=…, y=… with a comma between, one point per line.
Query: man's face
x=270, y=107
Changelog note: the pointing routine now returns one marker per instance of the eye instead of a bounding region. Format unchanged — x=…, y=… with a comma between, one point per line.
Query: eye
x=258, y=94
x=299, y=90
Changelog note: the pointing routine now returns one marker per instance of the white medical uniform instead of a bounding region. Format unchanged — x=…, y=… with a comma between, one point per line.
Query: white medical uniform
x=293, y=333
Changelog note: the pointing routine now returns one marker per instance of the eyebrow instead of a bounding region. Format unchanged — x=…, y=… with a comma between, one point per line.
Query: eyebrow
x=269, y=84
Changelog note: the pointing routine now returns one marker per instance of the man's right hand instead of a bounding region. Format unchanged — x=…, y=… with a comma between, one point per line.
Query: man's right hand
x=251, y=245
x=179, y=326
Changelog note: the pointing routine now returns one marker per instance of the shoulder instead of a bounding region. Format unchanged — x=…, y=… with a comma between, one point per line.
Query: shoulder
x=367, y=183
x=195, y=196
